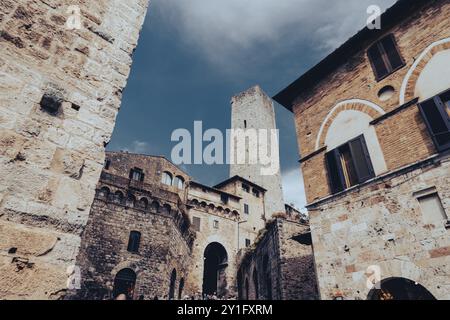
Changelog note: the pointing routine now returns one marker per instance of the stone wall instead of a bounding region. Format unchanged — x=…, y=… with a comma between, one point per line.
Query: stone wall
x=253, y=109
x=165, y=244
x=280, y=265
x=382, y=224
x=60, y=91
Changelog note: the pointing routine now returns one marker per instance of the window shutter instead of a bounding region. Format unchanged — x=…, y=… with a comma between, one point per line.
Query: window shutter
x=436, y=121
x=142, y=177
x=378, y=64
x=390, y=47
x=131, y=173
x=361, y=159
x=335, y=175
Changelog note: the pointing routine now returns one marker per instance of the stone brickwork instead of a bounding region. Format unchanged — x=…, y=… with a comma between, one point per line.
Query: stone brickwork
x=383, y=224
x=355, y=80
x=60, y=91
x=380, y=222
x=165, y=242
x=280, y=265
x=253, y=109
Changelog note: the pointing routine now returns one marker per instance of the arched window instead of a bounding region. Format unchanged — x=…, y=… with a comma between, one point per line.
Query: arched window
x=118, y=197
x=131, y=201
x=167, y=178
x=173, y=279
x=104, y=192
x=143, y=203
x=180, y=289
x=134, y=241
x=124, y=283
x=354, y=154
x=179, y=182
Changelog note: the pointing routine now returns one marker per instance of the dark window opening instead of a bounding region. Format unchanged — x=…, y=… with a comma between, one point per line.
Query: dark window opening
x=134, y=241
x=246, y=188
x=436, y=113
x=349, y=165
x=385, y=57
x=107, y=164
x=216, y=224
x=245, y=124
x=247, y=243
x=246, y=209
x=224, y=198
x=137, y=174
x=173, y=280
x=180, y=289
x=304, y=239
x=12, y=250
x=255, y=192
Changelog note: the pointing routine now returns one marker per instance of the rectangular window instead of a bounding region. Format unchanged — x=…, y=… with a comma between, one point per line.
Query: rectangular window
x=246, y=209
x=196, y=223
x=134, y=241
x=255, y=192
x=349, y=165
x=247, y=243
x=224, y=198
x=137, y=174
x=216, y=224
x=432, y=210
x=107, y=164
x=385, y=57
x=436, y=113
x=246, y=188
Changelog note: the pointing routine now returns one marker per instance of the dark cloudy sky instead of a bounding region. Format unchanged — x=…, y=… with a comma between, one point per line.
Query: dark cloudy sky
x=194, y=55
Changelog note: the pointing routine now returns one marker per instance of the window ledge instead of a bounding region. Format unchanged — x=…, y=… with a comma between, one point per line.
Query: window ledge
x=436, y=158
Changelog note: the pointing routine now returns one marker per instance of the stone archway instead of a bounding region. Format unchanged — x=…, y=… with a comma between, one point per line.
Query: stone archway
x=124, y=283
x=397, y=288
x=214, y=271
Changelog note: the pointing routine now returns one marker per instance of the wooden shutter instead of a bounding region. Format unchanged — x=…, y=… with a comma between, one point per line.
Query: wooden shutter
x=436, y=119
x=335, y=174
x=361, y=159
x=378, y=64
x=392, y=52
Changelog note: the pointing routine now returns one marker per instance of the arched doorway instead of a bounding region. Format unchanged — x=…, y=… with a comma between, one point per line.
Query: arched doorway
x=400, y=289
x=173, y=280
x=214, y=276
x=124, y=283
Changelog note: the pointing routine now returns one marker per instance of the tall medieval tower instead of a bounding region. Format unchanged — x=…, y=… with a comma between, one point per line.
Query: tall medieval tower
x=63, y=67
x=253, y=109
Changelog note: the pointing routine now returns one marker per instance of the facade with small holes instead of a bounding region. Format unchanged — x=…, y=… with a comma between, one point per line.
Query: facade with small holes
x=373, y=130
x=60, y=92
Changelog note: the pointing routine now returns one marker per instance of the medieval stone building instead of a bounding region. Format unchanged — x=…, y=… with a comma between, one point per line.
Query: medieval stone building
x=60, y=90
x=373, y=126
x=154, y=232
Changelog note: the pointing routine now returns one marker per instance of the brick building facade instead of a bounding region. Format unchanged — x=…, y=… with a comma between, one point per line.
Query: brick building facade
x=60, y=92
x=373, y=127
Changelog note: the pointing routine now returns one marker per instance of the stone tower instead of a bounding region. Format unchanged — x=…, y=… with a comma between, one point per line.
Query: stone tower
x=60, y=91
x=253, y=109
